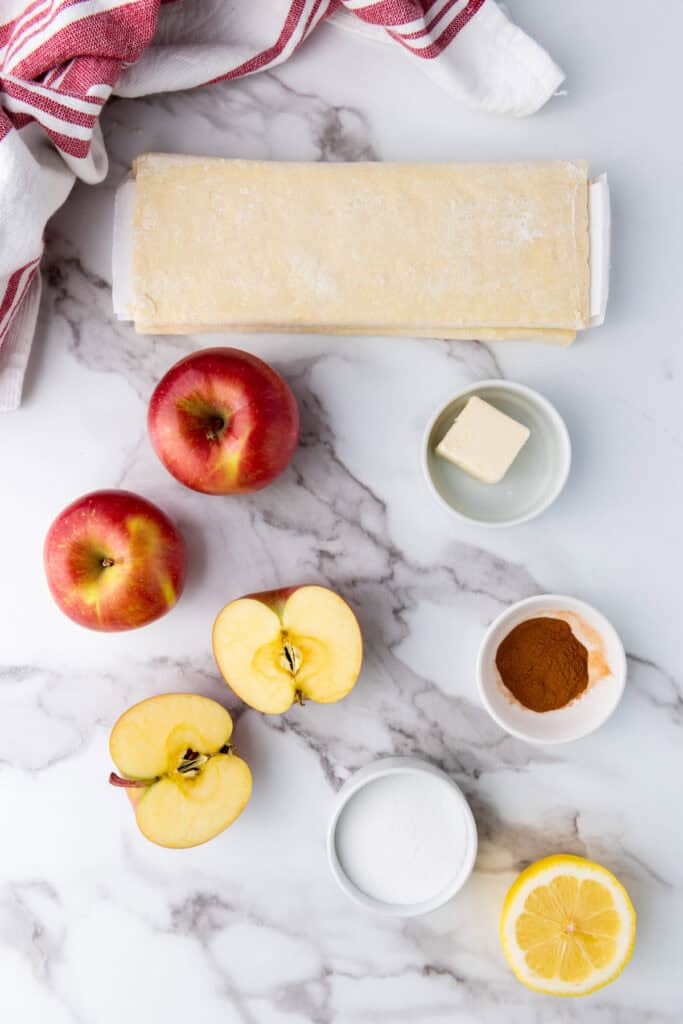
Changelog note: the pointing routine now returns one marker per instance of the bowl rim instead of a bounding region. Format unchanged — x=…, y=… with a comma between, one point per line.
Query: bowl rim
x=380, y=768
x=594, y=616
x=551, y=413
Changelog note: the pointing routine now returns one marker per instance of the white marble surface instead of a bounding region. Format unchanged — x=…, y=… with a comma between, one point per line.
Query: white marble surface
x=100, y=927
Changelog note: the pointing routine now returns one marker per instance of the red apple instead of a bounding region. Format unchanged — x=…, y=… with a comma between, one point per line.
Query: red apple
x=114, y=561
x=223, y=422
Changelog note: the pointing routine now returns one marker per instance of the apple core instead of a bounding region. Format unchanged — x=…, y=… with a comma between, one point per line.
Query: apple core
x=189, y=766
x=291, y=656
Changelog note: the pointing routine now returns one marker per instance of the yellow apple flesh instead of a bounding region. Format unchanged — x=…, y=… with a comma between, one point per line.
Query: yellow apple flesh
x=176, y=764
x=289, y=645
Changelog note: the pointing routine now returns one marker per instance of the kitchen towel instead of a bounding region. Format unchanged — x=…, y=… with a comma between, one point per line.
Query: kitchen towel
x=60, y=60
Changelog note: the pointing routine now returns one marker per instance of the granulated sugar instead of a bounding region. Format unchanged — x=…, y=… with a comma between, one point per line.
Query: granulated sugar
x=402, y=838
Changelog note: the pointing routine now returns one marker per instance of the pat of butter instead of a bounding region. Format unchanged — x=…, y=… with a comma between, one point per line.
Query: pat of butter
x=483, y=441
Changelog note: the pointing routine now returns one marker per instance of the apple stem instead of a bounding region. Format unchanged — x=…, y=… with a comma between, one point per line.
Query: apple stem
x=107, y=563
x=299, y=698
x=116, y=780
x=215, y=428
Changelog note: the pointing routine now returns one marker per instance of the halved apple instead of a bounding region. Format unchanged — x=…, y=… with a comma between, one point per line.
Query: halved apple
x=287, y=645
x=178, y=769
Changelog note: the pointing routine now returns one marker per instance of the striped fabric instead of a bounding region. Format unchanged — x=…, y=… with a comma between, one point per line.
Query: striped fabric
x=61, y=59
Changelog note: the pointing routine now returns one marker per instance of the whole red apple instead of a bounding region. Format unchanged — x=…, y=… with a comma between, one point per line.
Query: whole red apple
x=223, y=422
x=114, y=561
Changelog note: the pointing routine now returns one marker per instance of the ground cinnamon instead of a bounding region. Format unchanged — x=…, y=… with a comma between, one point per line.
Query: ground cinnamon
x=542, y=664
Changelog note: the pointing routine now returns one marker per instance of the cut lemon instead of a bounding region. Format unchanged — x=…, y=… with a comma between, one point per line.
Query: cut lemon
x=567, y=927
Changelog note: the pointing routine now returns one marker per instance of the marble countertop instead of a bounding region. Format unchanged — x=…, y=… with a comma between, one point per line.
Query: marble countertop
x=99, y=926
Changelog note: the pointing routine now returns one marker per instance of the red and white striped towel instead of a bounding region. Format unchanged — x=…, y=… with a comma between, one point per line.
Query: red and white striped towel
x=61, y=59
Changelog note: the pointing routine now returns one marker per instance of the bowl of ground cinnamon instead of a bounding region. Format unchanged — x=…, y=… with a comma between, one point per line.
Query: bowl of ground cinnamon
x=551, y=669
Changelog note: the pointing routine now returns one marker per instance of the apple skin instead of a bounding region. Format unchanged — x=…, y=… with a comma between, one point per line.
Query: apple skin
x=277, y=599
x=146, y=551
x=223, y=422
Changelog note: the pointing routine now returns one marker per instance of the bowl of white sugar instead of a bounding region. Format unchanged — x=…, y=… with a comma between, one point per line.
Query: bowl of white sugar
x=402, y=839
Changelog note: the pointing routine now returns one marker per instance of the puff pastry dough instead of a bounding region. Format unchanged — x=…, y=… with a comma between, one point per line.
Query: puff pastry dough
x=439, y=250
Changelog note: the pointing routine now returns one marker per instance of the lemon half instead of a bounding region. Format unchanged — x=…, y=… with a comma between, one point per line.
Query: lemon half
x=567, y=927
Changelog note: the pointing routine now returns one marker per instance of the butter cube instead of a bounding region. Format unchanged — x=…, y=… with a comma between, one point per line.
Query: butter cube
x=483, y=441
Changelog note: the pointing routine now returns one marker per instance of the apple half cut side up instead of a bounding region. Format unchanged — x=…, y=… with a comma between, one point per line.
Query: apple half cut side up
x=178, y=768
x=281, y=647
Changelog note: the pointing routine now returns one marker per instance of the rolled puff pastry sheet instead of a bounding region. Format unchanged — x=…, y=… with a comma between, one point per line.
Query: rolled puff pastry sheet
x=438, y=250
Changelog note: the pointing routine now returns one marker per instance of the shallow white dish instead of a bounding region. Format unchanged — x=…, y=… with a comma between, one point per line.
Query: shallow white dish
x=392, y=766
x=533, y=481
x=585, y=714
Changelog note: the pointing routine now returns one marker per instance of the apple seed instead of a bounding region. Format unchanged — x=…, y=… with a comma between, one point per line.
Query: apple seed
x=192, y=762
x=291, y=657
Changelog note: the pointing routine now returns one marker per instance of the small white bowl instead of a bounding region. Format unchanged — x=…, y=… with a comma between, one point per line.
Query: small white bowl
x=365, y=777
x=587, y=713
x=533, y=481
